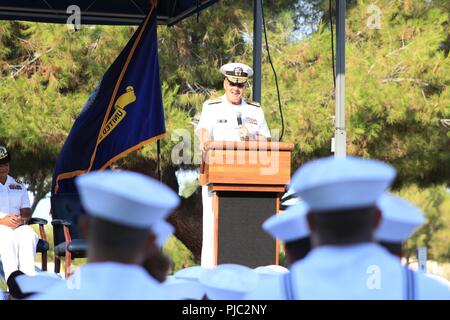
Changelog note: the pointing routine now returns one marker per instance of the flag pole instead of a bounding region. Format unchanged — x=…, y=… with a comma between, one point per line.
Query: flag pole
x=158, y=164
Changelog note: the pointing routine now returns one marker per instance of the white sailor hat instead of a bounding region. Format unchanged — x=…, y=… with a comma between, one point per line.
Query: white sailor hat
x=163, y=230
x=190, y=273
x=289, y=225
x=237, y=72
x=271, y=270
x=229, y=282
x=38, y=283
x=400, y=219
x=331, y=184
x=126, y=198
x=179, y=289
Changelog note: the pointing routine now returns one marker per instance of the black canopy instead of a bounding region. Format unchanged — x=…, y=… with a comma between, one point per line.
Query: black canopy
x=108, y=12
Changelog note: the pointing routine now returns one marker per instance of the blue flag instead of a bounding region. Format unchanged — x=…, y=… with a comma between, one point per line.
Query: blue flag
x=124, y=112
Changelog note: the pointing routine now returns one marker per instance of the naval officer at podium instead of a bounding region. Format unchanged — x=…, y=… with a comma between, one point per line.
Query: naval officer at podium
x=228, y=118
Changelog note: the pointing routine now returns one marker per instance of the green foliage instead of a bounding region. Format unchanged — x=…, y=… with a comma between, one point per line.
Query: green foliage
x=46, y=83
x=47, y=74
x=397, y=89
x=435, y=234
x=180, y=256
x=282, y=258
x=189, y=188
x=3, y=286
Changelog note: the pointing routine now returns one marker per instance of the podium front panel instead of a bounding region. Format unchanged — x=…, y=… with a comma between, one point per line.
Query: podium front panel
x=248, y=167
x=240, y=238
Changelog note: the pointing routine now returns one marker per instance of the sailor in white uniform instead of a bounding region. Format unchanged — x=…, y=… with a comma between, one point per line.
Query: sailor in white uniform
x=400, y=219
x=346, y=263
x=185, y=283
x=17, y=240
x=292, y=229
x=228, y=118
x=124, y=207
x=229, y=282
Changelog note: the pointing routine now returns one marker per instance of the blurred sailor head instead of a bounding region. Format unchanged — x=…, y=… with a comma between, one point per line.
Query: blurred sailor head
x=400, y=219
x=125, y=208
x=190, y=273
x=229, y=282
x=271, y=270
x=236, y=76
x=181, y=289
x=342, y=194
x=292, y=228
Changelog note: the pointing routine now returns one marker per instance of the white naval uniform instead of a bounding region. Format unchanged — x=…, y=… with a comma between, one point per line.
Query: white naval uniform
x=107, y=281
x=18, y=246
x=270, y=287
x=219, y=118
x=363, y=271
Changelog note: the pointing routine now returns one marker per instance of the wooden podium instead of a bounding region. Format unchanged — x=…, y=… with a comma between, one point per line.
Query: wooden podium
x=247, y=179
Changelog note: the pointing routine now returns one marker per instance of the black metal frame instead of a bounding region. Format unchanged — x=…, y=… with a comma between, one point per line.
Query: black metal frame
x=43, y=248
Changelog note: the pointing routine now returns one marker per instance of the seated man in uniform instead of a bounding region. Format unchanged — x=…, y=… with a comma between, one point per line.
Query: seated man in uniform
x=228, y=118
x=17, y=239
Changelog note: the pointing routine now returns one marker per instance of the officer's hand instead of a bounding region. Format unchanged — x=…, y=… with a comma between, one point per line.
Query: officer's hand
x=260, y=137
x=11, y=221
x=204, y=145
x=16, y=221
x=242, y=131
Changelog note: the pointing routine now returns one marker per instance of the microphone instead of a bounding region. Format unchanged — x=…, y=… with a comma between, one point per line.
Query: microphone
x=239, y=118
x=239, y=121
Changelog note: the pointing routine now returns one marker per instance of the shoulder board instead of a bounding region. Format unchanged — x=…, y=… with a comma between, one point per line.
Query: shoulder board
x=214, y=101
x=254, y=103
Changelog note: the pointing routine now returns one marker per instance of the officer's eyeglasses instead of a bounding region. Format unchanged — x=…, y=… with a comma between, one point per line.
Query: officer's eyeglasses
x=236, y=84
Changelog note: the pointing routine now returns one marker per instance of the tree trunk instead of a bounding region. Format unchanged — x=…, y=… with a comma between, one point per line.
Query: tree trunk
x=187, y=220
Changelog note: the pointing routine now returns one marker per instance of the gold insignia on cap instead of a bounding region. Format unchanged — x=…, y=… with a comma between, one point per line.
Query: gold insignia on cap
x=236, y=72
x=3, y=152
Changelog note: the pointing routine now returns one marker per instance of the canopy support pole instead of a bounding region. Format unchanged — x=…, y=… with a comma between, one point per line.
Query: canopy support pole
x=257, y=49
x=340, y=129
